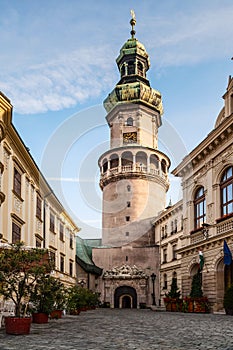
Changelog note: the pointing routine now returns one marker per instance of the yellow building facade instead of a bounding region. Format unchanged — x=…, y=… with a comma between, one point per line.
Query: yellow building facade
x=29, y=209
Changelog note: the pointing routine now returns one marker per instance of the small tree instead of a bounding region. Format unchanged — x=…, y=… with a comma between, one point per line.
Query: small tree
x=44, y=293
x=20, y=269
x=174, y=291
x=196, y=289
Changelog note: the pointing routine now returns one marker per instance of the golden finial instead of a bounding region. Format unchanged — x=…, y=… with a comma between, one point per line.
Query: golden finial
x=132, y=22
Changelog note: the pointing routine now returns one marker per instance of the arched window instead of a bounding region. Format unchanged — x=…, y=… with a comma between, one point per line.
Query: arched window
x=122, y=70
x=114, y=161
x=129, y=121
x=199, y=208
x=154, y=162
x=163, y=166
x=131, y=67
x=140, y=69
x=105, y=165
x=226, y=186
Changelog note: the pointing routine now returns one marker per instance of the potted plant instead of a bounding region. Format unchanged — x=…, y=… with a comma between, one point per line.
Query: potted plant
x=42, y=299
x=172, y=298
x=228, y=300
x=59, y=299
x=197, y=302
x=74, y=300
x=21, y=267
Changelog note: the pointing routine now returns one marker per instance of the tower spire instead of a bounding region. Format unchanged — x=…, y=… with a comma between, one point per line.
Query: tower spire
x=133, y=23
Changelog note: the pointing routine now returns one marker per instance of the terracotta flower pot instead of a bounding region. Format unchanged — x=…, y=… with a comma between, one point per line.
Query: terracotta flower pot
x=56, y=314
x=18, y=325
x=40, y=317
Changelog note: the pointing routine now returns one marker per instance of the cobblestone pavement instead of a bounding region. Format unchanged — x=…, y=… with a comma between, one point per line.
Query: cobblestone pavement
x=127, y=330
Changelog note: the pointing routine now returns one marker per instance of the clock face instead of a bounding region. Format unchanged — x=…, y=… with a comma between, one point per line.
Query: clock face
x=129, y=137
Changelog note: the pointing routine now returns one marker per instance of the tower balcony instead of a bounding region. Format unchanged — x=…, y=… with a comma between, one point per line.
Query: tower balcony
x=136, y=162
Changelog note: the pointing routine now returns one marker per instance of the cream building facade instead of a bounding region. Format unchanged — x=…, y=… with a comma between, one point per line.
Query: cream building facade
x=204, y=216
x=29, y=210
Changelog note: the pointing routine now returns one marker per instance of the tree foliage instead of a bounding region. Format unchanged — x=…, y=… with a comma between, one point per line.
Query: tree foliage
x=20, y=269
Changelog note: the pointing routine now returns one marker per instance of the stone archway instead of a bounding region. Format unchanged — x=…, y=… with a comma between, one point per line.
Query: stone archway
x=125, y=297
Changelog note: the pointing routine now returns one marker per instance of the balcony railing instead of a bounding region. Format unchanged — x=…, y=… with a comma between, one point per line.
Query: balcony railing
x=133, y=169
x=218, y=229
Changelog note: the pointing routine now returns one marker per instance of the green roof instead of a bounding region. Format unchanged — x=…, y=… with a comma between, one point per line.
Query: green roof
x=84, y=257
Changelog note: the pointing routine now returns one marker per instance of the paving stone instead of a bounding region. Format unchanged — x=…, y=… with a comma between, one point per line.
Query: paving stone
x=127, y=329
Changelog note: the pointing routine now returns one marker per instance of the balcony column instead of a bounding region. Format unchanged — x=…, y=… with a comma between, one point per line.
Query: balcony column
x=108, y=172
x=148, y=164
x=134, y=162
x=119, y=165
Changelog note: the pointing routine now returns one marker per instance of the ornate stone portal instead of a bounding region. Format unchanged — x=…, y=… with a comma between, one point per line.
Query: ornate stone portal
x=126, y=285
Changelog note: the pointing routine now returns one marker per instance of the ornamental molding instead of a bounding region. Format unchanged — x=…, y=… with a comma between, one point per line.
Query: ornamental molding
x=125, y=272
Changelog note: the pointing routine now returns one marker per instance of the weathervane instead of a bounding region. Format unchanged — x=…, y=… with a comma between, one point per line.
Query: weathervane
x=132, y=22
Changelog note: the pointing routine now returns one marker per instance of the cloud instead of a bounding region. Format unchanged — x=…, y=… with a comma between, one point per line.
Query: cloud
x=75, y=64
x=61, y=83
x=189, y=38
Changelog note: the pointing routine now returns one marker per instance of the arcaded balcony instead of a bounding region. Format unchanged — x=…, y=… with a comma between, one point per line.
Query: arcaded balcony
x=134, y=163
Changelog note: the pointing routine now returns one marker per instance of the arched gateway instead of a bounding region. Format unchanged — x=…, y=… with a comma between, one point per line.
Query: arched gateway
x=125, y=297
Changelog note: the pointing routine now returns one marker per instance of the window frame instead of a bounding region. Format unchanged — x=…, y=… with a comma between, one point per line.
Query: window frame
x=226, y=184
x=16, y=234
x=17, y=182
x=199, y=204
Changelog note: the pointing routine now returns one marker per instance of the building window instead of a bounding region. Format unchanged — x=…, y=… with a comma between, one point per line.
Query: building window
x=226, y=186
x=172, y=228
x=38, y=242
x=16, y=233
x=182, y=222
x=71, y=268
x=164, y=255
x=71, y=241
x=52, y=258
x=199, y=208
x=17, y=182
x=165, y=281
x=174, y=254
x=175, y=228
x=127, y=218
x=126, y=258
x=62, y=263
x=162, y=232
x=61, y=231
x=128, y=204
x=52, y=223
x=38, y=207
x=165, y=232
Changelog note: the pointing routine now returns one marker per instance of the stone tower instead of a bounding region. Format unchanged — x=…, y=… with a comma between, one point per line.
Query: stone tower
x=134, y=173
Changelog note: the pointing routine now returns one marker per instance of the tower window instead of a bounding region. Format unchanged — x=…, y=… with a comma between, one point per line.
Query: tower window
x=129, y=121
x=128, y=188
x=131, y=68
x=127, y=234
x=126, y=258
x=163, y=166
x=128, y=204
x=127, y=218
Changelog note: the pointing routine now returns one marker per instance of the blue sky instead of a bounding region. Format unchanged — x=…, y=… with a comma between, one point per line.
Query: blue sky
x=58, y=64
